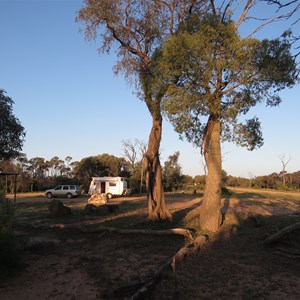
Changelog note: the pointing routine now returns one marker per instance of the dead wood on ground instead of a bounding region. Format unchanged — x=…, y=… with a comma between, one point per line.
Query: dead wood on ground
x=278, y=235
x=184, y=252
x=173, y=231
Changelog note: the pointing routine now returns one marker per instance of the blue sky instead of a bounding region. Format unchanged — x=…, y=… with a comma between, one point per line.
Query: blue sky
x=71, y=103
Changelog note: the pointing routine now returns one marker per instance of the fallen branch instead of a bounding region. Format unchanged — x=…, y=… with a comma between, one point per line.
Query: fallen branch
x=276, y=236
x=290, y=253
x=177, y=231
x=191, y=249
x=149, y=284
x=123, y=289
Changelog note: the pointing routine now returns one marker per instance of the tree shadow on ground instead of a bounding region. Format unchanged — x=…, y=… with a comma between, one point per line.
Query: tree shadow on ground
x=140, y=219
x=234, y=264
x=247, y=195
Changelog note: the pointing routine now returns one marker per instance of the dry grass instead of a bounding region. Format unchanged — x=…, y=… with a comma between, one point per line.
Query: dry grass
x=67, y=264
x=25, y=196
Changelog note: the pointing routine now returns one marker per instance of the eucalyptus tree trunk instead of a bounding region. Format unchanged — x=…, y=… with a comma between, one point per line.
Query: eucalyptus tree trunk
x=210, y=214
x=157, y=208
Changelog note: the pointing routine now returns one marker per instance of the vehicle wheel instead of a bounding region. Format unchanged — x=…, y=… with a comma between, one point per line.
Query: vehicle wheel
x=69, y=196
x=109, y=196
x=49, y=195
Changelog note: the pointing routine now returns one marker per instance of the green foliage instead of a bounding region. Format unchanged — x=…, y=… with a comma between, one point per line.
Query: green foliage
x=275, y=63
x=101, y=165
x=12, y=133
x=9, y=251
x=271, y=181
x=172, y=175
x=87, y=168
x=135, y=185
x=248, y=134
x=7, y=210
x=113, y=166
x=225, y=191
x=211, y=70
x=59, y=180
x=199, y=182
x=237, y=181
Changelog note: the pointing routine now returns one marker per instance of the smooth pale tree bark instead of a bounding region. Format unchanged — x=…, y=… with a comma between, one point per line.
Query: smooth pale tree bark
x=215, y=72
x=210, y=214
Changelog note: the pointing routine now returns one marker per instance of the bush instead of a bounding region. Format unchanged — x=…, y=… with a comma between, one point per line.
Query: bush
x=134, y=185
x=7, y=210
x=225, y=191
x=59, y=180
x=9, y=250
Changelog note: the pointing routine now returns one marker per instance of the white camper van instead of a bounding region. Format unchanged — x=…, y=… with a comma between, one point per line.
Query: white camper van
x=111, y=186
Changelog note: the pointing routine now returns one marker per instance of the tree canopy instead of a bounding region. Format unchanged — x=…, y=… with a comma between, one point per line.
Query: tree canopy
x=213, y=78
x=138, y=28
x=208, y=61
x=172, y=174
x=12, y=133
x=100, y=165
x=188, y=56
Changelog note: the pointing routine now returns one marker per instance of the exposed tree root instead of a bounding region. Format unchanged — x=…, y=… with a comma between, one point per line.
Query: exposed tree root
x=124, y=289
x=290, y=253
x=173, y=231
x=278, y=235
x=177, y=231
x=192, y=248
x=186, y=251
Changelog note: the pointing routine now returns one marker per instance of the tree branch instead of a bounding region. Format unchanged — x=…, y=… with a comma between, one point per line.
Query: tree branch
x=275, y=237
x=245, y=11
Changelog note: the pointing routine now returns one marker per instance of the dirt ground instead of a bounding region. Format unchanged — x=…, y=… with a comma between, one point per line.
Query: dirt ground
x=61, y=262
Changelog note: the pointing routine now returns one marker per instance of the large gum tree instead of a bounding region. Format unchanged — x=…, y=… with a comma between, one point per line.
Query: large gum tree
x=138, y=28
x=215, y=76
x=12, y=133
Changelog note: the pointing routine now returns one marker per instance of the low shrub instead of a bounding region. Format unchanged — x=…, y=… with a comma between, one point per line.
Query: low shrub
x=10, y=253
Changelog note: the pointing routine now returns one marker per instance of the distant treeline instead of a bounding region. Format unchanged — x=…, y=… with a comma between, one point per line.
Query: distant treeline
x=277, y=181
x=39, y=174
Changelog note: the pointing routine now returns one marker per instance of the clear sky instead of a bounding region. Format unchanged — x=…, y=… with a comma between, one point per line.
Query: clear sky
x=71, y=103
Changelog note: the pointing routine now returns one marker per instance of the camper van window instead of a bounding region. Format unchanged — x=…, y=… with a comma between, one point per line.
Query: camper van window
x=112, y=184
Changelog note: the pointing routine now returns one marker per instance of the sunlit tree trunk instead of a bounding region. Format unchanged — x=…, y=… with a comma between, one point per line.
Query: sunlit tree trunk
x=157, y=208
x=210, y=215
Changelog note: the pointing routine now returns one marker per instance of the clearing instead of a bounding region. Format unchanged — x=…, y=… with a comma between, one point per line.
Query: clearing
x=72, y=258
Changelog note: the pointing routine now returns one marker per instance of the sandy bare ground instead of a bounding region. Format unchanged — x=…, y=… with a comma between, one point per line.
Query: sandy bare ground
x=68, y=264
